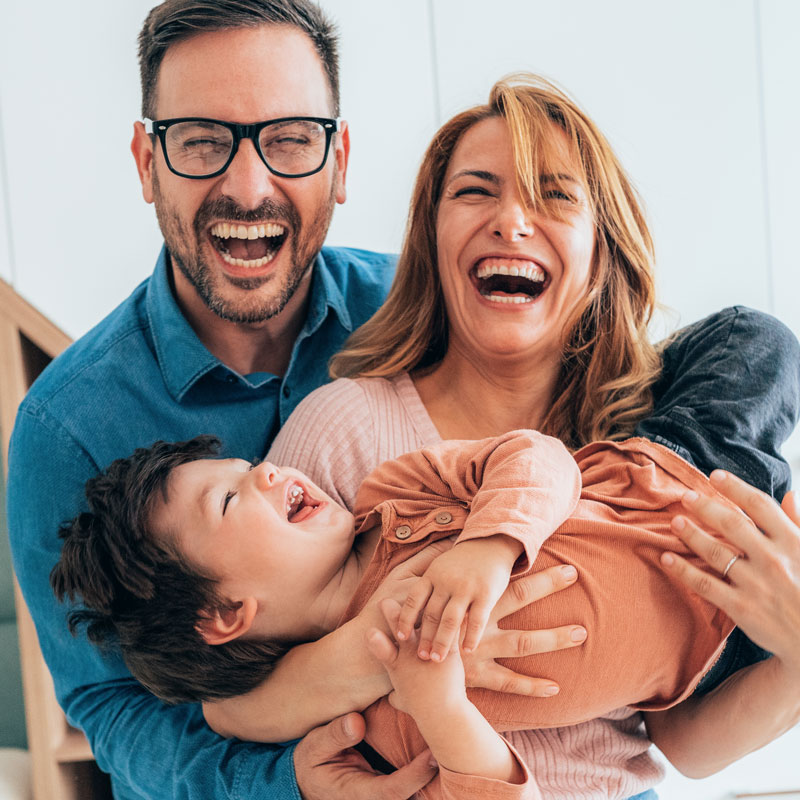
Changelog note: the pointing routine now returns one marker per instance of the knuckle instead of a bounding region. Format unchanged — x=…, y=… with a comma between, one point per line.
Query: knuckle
x=718, y=554
x=430, y=617
x=702, y=583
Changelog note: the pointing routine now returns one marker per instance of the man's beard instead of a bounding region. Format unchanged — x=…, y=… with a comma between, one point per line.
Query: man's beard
x=208, y=283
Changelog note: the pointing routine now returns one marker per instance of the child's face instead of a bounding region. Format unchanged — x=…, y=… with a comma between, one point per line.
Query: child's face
x=262, y=532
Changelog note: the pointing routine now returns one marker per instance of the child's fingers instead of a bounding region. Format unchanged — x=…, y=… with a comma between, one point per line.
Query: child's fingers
x=431, y=618
x=412, y=607
x=476, y=624
x=449, y=629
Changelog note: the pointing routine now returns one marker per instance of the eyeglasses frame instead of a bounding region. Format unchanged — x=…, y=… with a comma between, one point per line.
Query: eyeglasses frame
x=158, y=127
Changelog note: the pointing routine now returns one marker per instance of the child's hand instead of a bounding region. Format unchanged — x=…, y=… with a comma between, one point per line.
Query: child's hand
x=465, y=581
x=420, y=688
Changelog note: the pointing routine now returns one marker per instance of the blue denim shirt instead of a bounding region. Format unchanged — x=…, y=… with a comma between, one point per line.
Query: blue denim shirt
x=141, y=375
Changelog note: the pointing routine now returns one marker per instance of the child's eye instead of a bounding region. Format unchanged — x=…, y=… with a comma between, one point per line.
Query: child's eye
x=228, y=497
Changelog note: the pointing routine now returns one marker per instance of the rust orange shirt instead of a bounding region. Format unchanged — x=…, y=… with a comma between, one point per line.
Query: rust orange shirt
x=650, y=639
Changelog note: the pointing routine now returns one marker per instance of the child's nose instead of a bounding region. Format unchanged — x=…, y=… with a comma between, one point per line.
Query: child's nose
x=266, y=474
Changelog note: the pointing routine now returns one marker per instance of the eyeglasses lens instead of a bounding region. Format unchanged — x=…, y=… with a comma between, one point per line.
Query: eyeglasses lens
x=198, y=148
x=293, y=147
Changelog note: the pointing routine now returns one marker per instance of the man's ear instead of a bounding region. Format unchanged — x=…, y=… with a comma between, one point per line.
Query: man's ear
x=220, y=625
x=142, y=149
x=342, y=154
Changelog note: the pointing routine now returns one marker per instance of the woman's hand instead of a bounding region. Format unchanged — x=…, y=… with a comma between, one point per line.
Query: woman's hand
x=761, y=594
x=480, y=666
x=761, y=590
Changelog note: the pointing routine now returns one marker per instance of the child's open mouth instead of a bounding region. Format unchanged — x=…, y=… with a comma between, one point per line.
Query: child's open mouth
x=249, y=246
x=299, y=505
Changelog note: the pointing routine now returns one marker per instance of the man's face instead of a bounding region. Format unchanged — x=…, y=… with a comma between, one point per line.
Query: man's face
x=242, y=75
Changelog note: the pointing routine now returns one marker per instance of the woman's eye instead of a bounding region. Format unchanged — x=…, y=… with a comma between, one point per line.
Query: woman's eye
x=476, y=190
x=557, y=194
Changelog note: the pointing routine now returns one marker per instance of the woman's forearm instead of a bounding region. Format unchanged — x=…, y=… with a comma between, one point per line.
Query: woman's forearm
x=752, y=708
x=311, y=684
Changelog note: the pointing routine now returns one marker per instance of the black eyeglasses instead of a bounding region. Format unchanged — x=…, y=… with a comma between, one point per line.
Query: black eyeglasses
x=290, y=147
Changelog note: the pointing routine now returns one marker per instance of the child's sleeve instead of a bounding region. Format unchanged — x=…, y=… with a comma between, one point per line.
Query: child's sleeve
x=457, y=786
x=521, y=484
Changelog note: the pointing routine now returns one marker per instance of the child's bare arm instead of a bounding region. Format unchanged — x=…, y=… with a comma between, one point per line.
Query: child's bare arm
x=433, y=694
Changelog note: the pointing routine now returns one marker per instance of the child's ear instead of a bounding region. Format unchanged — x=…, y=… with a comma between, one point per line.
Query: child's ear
x=220, y=625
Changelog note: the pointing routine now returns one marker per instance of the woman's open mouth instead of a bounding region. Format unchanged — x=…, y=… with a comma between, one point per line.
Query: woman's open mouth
x=299, y=505
x=509, y=280
x=248, y=246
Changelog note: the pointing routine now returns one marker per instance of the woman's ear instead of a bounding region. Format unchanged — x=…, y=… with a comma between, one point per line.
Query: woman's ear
x=220, y=625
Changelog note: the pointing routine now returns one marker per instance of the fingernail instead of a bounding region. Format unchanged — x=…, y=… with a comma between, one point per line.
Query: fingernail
x=435, y=657
x=577, y=634
x=690, y=496
x=667, y=559
x=551, y=690
x=569, y=573
x=400, y=636
x=423, y=654
x=679, y=523
x=348, y=728
x=718, y=475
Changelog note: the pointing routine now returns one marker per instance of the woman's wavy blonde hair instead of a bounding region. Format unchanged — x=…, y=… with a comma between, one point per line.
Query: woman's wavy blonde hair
x=608, y=363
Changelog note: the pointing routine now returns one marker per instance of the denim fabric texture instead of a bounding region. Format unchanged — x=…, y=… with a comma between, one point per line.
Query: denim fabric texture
x=142, y=375
x=648, y=795
x=728, y=398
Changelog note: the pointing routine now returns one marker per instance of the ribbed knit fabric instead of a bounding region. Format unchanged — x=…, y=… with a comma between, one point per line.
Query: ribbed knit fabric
x=337, y=436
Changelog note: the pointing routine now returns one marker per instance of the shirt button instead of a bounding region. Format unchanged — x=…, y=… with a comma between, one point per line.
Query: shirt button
x=403, y=532
x=230, y=378
x=287, y=391
x=443, y=517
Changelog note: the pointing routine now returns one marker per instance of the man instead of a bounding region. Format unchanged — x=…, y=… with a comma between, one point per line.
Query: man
x=244, y=160
x=235, y=326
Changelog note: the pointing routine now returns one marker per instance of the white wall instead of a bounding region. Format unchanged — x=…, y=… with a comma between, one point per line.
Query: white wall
x=698, y=96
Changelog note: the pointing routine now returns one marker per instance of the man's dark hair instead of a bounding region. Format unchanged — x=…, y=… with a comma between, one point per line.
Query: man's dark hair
x=139, y=591
x=175, y=20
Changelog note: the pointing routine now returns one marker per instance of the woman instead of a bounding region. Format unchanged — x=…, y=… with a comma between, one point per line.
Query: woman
x=521, y=300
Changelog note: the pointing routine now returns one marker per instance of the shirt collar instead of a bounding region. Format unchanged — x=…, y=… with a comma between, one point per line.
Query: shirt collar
x=184, y=359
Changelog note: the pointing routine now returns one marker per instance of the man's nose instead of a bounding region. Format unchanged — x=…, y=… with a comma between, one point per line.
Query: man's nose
x=247, y=181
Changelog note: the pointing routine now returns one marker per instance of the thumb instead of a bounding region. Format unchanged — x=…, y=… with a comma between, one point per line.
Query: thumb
x=339, y=734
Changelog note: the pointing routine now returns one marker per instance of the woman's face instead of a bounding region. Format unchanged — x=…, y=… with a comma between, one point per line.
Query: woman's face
x=510, y=277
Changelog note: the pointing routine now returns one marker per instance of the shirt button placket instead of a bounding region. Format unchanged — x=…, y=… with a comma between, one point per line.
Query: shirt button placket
x=402, y=532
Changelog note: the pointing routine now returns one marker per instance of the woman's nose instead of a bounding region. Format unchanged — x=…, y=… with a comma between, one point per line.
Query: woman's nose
x=513, y=221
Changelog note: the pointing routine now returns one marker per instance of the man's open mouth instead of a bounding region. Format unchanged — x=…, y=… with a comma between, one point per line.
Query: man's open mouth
x=249, y=246
x=509, y=280
x=299, y=505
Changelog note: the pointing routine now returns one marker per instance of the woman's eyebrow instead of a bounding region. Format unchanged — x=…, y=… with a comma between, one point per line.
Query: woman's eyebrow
x=559, y=176
x=476, y=173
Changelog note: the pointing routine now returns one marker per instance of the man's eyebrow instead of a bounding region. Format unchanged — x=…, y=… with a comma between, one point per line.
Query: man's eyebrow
x=482, y=174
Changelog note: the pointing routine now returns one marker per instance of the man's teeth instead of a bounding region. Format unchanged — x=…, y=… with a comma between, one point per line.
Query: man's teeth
x=251, y=263
x=224, y=230
x=294, y=498
x=520, y=270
